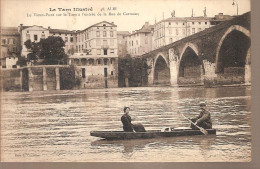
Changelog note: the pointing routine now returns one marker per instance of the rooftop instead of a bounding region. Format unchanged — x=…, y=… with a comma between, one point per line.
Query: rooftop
x=10, y=31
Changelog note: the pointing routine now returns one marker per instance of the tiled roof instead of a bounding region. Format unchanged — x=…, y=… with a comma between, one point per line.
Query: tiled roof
x=61, y=31
x=97, y=24
x=123, y=33
x=11, y=31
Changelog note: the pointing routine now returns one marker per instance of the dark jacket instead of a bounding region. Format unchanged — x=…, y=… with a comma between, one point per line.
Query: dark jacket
x=127, y=125
x=204, y=119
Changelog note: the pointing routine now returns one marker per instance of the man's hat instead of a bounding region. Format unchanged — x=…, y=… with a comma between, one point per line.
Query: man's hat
x=202, y=104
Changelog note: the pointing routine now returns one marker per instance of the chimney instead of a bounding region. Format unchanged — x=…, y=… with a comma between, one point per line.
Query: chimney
x=146, y=24
x=49, y=27
x=220, y=16
x=20, y=28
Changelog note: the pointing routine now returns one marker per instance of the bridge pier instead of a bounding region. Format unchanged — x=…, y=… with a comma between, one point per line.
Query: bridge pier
x=210, y=68
x=247, y=74
x=151, y=78
x=174, y=73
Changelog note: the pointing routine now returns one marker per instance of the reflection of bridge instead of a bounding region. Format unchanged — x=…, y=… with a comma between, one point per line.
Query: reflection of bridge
x=220, y=54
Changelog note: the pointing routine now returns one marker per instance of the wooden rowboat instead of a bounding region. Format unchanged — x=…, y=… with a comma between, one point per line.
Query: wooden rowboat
x=121, y=135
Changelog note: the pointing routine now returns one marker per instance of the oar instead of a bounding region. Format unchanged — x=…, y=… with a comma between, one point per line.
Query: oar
x=200, y=128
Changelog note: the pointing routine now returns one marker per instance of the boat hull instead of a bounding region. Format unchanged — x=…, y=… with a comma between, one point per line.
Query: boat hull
x=121, y=135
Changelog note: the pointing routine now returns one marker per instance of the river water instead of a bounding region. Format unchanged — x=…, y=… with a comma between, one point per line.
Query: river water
x=55, y=125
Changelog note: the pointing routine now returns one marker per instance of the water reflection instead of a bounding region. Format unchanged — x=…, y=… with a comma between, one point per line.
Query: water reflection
x=55, y=125
x=128, y=147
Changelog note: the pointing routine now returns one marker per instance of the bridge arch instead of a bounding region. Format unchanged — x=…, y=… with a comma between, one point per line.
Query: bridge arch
x=233, y=55
x=161, y=71
x=190, y=66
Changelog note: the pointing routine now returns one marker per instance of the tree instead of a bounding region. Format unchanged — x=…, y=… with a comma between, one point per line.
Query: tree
x=133, y=68
x=50, y=50
x=21, y=61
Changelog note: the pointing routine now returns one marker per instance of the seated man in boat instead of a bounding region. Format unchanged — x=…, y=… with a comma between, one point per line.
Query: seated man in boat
x=127, y=125
x=203, y=119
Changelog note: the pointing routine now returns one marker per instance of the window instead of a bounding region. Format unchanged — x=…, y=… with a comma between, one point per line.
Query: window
x=111, y=34
x=27, y=36
x=105, y=51
x=98, y=51
x=112, y=73
x=192, y=23
x=104, y=34
x=111, y=61
x=177, y=32
x=3, y=41
x=79, y=47
x=146, y=41
x=99, y=61
x=104, y=42
x=112, y=42
x=82, y=47
x=11, y=41
x=105, y=61
x=176, y=23
x=43, y=36
x=183, y=31
x=183, y=23
x=87, y=35
x=71, y=39
x=111, y=50
x=206, y=23
x=83, y=73
x=193, y=30
x=199, y=29
x=136, y=42
x=199, y=23
x=170, y=31
x=169, y=23
x=170, y=40
x=98, y=42
x=35, y=37
x=132, y=43
x=66, y=39
x=98, y=34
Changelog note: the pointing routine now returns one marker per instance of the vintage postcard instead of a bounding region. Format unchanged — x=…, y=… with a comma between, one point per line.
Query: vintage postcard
x=126, y=81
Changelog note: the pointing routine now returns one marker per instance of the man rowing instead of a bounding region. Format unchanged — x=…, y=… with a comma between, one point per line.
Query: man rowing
x=203, y=119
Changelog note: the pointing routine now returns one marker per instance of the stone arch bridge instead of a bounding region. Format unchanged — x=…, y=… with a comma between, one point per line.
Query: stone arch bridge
x=220, y=54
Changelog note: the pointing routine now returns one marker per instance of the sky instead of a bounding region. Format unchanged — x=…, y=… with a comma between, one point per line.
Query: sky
x=33, y=12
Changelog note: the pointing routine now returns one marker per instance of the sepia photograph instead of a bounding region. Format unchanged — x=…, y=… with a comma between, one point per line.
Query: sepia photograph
x=126, y=81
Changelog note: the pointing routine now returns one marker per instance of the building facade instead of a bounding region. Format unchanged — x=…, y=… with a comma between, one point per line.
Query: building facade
x=122, y=43
x=140, y=41
x=10, y=47
x=69, y=37
x=97, y=55
x=175, y=28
